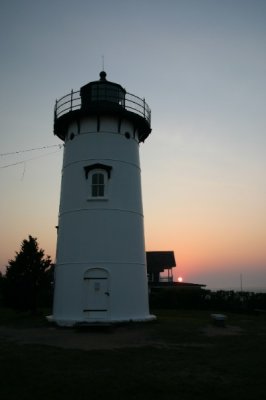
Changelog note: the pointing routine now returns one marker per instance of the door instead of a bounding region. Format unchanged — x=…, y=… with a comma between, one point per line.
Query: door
x=96, y=294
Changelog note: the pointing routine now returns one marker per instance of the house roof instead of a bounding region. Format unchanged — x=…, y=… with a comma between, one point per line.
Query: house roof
x=158, y=261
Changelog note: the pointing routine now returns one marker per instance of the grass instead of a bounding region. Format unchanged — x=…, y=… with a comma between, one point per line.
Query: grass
x=23, y=319
x=187, y=364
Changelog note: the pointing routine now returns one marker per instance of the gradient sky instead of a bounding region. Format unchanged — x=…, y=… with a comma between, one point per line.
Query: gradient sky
x=201, y=66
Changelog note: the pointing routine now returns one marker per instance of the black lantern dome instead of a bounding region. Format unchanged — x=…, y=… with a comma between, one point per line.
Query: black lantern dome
x=102, y=98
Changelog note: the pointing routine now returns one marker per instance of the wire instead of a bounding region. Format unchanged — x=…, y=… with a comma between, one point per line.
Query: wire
x=30, y=159
x=27, y=150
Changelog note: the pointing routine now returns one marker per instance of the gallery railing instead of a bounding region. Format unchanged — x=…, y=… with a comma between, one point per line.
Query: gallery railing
x=128, y=101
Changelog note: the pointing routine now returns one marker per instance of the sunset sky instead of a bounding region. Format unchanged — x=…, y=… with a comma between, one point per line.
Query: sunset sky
x=201, y=66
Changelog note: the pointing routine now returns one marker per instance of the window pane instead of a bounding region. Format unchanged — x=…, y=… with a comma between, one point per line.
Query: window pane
x=94, y=179
x=94, y=190
x=100, y=179
x=101, y=190
x=97, y=185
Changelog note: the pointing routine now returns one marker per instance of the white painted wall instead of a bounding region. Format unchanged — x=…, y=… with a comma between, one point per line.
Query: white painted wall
x=105, y=235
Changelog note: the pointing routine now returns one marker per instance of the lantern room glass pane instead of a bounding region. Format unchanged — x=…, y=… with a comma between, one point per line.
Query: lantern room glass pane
x=107, y=92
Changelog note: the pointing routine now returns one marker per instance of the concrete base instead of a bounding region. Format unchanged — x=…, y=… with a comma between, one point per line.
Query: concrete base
x=73, y=323
x=219, y=320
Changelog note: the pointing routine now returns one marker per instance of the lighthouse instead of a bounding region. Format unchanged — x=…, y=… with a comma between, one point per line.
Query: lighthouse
x=100, y=268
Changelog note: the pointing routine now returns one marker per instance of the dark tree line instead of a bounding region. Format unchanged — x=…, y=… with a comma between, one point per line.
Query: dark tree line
x=27, y=282
x=203, y=299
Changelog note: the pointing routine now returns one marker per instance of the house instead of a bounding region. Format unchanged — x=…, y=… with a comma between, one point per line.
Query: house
x=158, y=262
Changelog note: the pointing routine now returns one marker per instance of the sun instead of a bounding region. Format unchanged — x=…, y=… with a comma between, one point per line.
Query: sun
x=180, y=279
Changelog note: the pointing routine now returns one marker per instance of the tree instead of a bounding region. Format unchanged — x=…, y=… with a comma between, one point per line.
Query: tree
x=27, y=276
x=1, y=287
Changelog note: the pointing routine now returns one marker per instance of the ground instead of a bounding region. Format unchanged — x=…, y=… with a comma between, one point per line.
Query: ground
x=101, y=339
x=180, y=355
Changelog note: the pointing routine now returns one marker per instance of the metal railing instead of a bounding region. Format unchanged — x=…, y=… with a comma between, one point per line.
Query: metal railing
x=69, y=102
x=130, y=102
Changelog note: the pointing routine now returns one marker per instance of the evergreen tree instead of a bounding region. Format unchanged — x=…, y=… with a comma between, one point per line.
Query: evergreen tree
x=1, y=287
x=28, y=276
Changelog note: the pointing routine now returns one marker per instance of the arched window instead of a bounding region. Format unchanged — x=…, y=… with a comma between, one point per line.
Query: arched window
x=98, y=184
x=98, y=176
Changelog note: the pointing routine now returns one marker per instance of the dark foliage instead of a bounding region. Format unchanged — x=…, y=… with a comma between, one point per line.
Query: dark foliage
x=27, y=283
x=1, y=287
x=176, y=298
x=236, y=301
x=202, y=299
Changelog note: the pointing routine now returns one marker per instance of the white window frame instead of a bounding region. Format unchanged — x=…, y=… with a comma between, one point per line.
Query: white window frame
x=94, y=169
x=91, y=184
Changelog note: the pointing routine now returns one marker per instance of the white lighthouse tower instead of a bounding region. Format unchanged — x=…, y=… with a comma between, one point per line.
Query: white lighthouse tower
x=100, y=273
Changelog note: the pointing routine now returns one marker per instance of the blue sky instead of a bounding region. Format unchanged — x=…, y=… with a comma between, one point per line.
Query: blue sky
x=201, y=65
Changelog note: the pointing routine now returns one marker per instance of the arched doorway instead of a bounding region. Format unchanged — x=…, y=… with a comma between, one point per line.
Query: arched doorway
x=96, y=294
